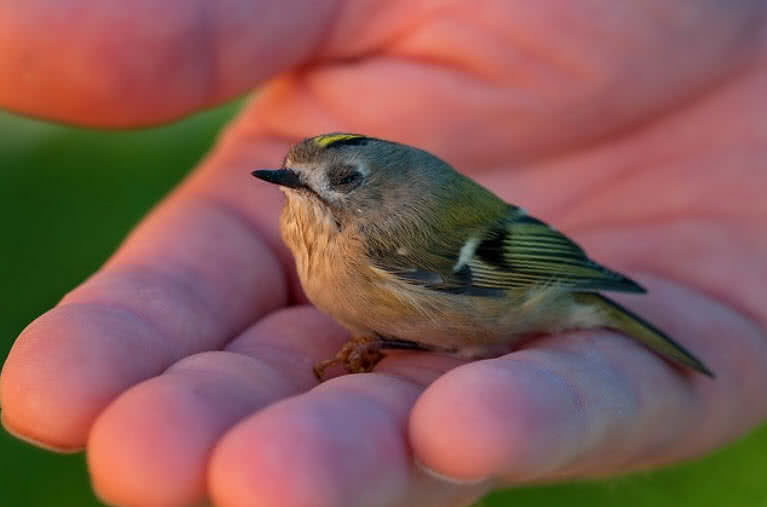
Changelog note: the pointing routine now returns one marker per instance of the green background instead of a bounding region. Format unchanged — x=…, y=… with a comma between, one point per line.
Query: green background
x=67, y=197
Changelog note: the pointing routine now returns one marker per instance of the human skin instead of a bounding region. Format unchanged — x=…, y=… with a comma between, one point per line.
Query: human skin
x=185, y=362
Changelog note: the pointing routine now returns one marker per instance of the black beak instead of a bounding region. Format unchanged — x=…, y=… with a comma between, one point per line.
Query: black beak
x=284, y=177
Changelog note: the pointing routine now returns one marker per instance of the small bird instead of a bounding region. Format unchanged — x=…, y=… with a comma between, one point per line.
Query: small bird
x=407, y=253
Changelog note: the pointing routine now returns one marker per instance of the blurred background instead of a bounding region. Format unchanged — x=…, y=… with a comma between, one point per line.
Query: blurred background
x=68, y=196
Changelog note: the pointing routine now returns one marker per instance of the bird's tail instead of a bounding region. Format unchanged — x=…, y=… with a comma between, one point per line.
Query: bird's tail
x=639, y=329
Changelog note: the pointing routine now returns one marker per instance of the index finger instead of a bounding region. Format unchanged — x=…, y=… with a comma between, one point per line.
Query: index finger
x=195, y=273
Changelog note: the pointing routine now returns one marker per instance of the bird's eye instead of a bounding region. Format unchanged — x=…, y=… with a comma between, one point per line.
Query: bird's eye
x=344, y=177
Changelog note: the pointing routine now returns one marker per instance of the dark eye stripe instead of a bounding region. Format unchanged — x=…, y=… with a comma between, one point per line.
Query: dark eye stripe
x=343, y=176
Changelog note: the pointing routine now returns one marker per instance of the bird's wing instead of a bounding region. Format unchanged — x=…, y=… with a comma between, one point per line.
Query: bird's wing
x=514, y=252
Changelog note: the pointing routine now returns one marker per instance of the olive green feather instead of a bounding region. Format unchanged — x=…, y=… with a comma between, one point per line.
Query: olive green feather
x=521, y=252
x=516, y=252
x=622, y=319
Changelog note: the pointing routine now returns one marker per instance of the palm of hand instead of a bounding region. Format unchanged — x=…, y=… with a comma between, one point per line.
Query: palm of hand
x=192, y=322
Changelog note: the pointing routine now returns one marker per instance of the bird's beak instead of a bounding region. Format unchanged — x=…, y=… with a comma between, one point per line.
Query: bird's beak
x=283, y=177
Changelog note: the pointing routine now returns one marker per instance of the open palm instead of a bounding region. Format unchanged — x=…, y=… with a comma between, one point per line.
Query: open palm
x=184, y=364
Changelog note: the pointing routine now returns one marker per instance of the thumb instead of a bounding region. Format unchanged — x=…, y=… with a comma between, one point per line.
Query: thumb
x=144, y=62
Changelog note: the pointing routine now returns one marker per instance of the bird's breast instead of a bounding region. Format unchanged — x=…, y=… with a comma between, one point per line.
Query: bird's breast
x=328, y=262
x=309, y=232
x=338, y=279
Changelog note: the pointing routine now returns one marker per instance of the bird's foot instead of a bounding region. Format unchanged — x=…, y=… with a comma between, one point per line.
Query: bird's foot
x=358, y=355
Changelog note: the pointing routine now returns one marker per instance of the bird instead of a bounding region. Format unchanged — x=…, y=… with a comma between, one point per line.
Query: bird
x=407, y=253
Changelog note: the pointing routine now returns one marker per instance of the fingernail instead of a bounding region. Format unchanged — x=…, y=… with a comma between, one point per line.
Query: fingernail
x=37, y=443
x=451, y=480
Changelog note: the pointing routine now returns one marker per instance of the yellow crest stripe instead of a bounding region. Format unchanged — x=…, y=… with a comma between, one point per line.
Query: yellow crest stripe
x=326, y=140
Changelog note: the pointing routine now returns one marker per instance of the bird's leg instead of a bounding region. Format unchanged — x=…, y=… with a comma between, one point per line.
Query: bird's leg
x=358, y=355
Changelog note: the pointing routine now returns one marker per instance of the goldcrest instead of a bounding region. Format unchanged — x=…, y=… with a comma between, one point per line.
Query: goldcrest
x=406, y=253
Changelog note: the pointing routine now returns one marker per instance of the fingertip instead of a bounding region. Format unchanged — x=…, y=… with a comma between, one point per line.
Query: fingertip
x=48, y=446
x=63, y=370
x=340, y=444
x=163, y=431
x=487, y=419
x=273, y=461
x=140, y=453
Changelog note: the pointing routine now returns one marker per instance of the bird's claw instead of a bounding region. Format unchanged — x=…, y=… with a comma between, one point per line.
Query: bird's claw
x=358, y=355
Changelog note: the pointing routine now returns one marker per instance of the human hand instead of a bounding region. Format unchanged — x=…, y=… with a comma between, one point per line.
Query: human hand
x=185, y=363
